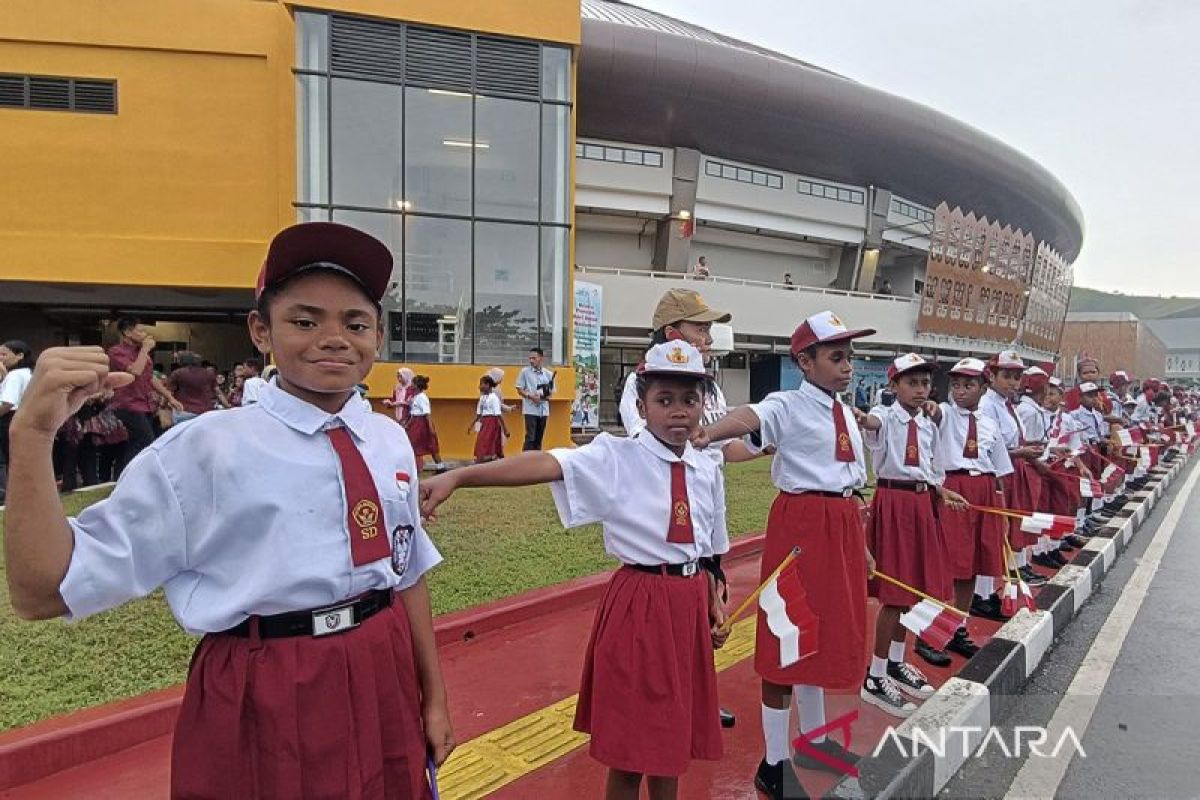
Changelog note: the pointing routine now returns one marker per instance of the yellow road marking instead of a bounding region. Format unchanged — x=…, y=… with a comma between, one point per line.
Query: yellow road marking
x=502, y=755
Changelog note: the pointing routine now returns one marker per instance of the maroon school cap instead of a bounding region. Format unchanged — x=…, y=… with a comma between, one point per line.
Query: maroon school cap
x=327, y=245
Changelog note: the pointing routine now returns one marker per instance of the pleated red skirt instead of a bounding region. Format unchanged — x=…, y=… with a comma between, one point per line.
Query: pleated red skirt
x=303, y=717
x=648, y=695
x=1062, y=490
x=1022, y=492
x=908, y=545
x=833, y=569
x=420, y=434
x=490, y=439
x=975, y=539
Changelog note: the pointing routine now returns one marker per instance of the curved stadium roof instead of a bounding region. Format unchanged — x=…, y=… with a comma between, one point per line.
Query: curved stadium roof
x=654, y=79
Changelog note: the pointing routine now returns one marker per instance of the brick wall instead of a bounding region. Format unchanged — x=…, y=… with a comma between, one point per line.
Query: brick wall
x=1130, y=346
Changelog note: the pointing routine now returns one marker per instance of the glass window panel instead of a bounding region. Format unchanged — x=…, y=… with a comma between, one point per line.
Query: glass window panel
x=612, y=154
x=556, y=168
x=776, y=182
x=728, y=172
x=633, y=156
x=578, y=150
x=312, y=139
x=506, y=292
x=760, y=179
x=365, y=136
x=309, y=214
x=594, y=151
x=389, y=229
x=437, y=151
x=712, y=169
x=844, y=195
x=312, y=42
x=556, y=73
x=654, y=159
x=437, y=281
x=556, y=302
x=804, y=186
x=743, y=175
x=506, y=158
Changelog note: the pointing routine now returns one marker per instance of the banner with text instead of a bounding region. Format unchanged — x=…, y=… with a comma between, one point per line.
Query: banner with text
x=585, y=410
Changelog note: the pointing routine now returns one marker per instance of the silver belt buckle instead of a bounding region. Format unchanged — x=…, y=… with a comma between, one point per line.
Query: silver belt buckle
x=847, y=493
x=974, y=473
x=328, y=621
x=689, y=569
x=921, y=486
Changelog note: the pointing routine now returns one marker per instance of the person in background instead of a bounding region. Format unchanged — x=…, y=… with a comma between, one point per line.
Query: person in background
x=787, y=281
x=535, y=384
x=252, y=384
x=497, y=375
x=700, y=268
x=17, y=360
x=421, y=432
x=195, y=387
x=402, y=395
x=885, y=287
x=489, y=423
x=133, y=403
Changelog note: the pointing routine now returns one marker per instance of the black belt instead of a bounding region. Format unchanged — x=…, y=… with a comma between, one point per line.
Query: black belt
x=843, y=494
x=974, y=473
x=318, y=621
x=688, y=569
x=903, y=486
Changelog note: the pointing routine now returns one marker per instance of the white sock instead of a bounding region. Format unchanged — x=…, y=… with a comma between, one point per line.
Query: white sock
x=878, y=667
x=1022, y=558
x=896, y=652
x=985, y=586
x=810, y=708
x=775, y=722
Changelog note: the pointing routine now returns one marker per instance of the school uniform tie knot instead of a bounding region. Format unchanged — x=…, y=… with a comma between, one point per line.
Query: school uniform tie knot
x=912, y=452
x=364, y=515
x=843, y=449
x=679, y=527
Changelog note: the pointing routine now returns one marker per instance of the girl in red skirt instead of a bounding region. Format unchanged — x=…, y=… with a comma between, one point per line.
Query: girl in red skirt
x=971, y=452
x=489, y=423
x=902, y=531
x=1023, y=488
x=1042, y=417
x=818, y=469
x=419, y=426
x=287, y=532
x=649, y=690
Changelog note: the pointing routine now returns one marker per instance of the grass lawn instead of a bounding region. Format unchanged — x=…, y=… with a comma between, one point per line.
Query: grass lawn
x=495, y=543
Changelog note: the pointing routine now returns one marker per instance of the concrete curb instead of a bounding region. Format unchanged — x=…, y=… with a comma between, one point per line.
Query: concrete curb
x=987, y=685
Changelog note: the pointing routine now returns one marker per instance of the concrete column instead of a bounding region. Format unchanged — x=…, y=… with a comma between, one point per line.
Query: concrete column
x=672, y=250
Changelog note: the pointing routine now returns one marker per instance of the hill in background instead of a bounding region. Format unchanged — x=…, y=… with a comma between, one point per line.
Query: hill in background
x=1143, y=307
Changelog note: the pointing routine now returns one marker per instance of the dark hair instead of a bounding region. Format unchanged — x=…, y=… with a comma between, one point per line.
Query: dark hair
x=642, y=382
x=421, y=382
x=1162, y=397
x=484, y=379
x=21, y=348
x=537, y=350
x=253, y=363
x=189, y=359
x=126, y=324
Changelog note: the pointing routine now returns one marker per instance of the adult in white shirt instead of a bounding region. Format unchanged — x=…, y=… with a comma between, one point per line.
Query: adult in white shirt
x=700, y=268
x=17, y=359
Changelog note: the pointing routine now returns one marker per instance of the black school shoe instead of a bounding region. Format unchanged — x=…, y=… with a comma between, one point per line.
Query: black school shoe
x=1044, y=560
x=769, y=780
x=1030, y=577
x=830, y=748
x=962, y=644
x=988, y=609
x=1075, y=541
x=937, y=658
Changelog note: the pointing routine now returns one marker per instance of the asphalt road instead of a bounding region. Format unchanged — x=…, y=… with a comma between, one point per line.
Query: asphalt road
x=1142, y=739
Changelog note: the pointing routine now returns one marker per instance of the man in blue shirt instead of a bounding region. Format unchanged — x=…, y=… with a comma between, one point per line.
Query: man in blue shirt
x=535, y=384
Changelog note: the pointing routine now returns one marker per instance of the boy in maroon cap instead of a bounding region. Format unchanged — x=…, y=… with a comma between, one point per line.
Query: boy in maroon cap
x=286, y=532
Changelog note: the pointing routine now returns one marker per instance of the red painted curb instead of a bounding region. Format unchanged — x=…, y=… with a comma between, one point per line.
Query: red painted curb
x=43, y=748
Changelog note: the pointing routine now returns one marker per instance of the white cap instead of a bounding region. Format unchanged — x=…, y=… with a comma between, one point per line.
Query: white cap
x=673, y=358
x=1088, y=386
x=1036, y=371
x=905, y=363
x=971, y=367
x=1008, y=359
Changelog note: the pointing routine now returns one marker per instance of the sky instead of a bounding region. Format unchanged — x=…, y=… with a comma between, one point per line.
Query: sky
x=1105, y=94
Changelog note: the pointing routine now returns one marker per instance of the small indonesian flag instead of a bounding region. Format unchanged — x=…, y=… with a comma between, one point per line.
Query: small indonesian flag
x=1112, y=477
x=1055, y=526
x=1128, y=437
x=785, y=603
x=1090, y=488
x=1017, y=595
x=932, y=622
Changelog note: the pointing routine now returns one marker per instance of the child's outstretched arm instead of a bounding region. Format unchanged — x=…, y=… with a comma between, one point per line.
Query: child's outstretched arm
x=738, y=422
x=524, y=469
x=38, y=542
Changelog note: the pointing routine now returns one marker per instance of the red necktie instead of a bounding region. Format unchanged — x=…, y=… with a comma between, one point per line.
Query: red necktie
x=971, y=446
x=912, y=455
x=679, y=529
x=368, y=536
x=843, y=450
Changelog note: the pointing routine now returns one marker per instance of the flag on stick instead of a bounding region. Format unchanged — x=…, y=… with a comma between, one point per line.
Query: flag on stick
x=789, y=617
x=1055, y=526
x=1128, y=437
x=1112, y=477
x=1090, y=488
x=934, y=623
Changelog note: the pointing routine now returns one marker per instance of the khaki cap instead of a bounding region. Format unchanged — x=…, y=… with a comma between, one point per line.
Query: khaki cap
x=685, y=305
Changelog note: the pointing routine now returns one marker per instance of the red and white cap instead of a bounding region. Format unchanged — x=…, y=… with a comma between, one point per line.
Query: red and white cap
x=971, y=367
x=331, y=246
x=1007, y=359
x=673, y=358
x=1034, y=378
x=1088, y=386
x=1119, y=378
x=1035, y=372
x=908, y=363
x=824, y=328
x=1056, y=382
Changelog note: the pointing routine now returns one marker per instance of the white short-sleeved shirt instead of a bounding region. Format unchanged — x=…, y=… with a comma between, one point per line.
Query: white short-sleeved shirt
x=251, y=389
x=1035, y=420
x=13, y=387
x=799, y=424
x=421, y=406
x=889, y=444
x=243, y=513
x=635, y=423
x=993, y=454
x=1143, y=411
x=488, y=405
x=1090, y=424
x=625, y=484
x=995, y=405
x=1062, y=431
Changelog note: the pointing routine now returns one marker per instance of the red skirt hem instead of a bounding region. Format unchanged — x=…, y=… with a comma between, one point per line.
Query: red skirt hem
x=908, y=545
x=975, y=539
x=490, y=439
x=421, y=436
